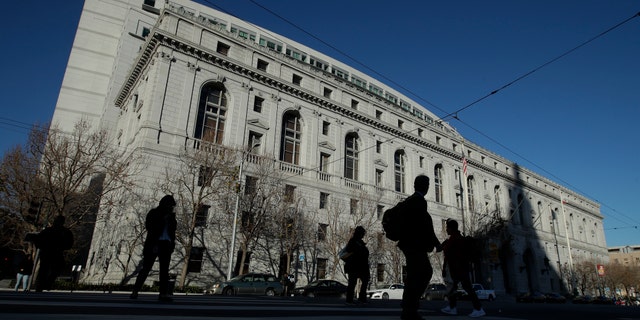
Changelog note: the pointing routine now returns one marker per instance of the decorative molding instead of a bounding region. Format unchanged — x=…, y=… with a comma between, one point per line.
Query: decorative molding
x=258, y=123
x=327, y=145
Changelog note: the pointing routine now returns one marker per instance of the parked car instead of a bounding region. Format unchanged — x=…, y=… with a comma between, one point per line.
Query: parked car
x=481, y=292
x=603, y=300
x=250, y=283
x=554, y=297
x=393, y=291
x=586, y=299
x=435, y=291
x=535, y=296
x=322, y=288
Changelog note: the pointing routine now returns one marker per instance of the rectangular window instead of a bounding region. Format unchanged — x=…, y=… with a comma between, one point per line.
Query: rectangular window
x=325, y=128
x=250, y=185
x=324, y=162
x=262, y=65
x=340, y=73
x=327, y=92
x=202, y=214
x=324, y=200
x=391, y=98
x=375, y=90
x=296, y=54
x=322, y=231
x=380, y=272
x=378, y=146
x=297, y=80
x=314, y=62
x=379, y=211
x=354, y=104
x=420, y=132
x=195, y=259
x=321, y=271
x=257, y=104
x=358, y=82
x=353, y=207
x=254, y=142
x=379, y=174
x=378, y=114
x=204, y=176
x=223, y=48
x=289, y=193
x=421, y=163
x=405, y=105
x=400, y=124
x=145, y=32
x=271, y=44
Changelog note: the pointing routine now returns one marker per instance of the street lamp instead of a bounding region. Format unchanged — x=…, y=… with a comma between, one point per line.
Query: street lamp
x=235, y=212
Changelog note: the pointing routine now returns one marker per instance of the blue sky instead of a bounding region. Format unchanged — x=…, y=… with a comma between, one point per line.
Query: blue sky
x=573, y=120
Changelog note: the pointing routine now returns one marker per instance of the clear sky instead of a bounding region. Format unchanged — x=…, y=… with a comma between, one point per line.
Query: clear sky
x=574, y=120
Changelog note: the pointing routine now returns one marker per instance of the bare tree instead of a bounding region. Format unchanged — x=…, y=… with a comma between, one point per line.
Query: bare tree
x=198, y=180
x=69, y=174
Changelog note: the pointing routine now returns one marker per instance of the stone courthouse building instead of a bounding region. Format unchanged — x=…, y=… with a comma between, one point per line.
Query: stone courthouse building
x=167, y=78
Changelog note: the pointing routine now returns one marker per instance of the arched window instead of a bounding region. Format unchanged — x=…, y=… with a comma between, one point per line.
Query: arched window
x=470, y=196
x=290, y=142
x=351, y=156
x=212, y=113
x=496, y=195
x=437, y=183
x=398, y=167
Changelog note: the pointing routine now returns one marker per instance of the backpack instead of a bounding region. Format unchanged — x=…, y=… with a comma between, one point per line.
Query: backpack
x=392, y=222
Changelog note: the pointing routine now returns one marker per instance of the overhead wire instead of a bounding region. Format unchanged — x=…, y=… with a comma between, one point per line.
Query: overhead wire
x=455, y=114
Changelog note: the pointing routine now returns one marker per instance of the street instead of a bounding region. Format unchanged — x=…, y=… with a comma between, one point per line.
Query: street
x=93, y=305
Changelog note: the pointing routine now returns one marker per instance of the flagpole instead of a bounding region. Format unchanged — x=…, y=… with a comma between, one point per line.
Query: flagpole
x=463, y=172
x=566, y=234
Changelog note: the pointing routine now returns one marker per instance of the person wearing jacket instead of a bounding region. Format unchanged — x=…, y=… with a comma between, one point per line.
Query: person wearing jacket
x=160, y=241
x=52, y=242
x=457, y=260
x=416, y=242
x=357, y=266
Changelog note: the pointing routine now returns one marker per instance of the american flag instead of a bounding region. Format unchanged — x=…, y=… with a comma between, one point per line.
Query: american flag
x=464, y=166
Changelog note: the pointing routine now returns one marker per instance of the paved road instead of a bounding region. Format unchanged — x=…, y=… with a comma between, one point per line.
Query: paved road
x=102, y=306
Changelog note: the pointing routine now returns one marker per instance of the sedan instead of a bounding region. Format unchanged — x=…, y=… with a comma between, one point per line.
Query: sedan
x=554, y=297
x=435, y=291
x=393, y=291
x=322, y=288
x=250, y=283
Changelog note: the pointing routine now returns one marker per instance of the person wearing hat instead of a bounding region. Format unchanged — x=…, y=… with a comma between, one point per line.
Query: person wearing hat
x=160, y=241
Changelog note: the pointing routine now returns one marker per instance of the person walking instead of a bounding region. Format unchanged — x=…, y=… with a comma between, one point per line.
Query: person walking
x=52, y=242
x=160, y=241
x=25, y=267
x=416, y=242
x=357, y=266
x=456, y=258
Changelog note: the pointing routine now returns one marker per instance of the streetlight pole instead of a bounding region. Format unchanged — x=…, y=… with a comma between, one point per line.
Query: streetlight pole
x=235, y=211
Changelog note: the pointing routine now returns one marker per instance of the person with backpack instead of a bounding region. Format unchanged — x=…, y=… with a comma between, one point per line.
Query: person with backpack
x=416, y=241
x=356, y=266
x=457, y=259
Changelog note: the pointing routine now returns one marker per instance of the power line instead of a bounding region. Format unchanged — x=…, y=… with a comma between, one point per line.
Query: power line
x=455, y=113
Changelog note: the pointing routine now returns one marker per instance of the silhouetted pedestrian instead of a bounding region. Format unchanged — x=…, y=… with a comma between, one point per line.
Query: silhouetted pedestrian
x=52, y=242
x=357, y=266
x=457, y=259
x=23, y=273
x=416, y=242
x=160, y=241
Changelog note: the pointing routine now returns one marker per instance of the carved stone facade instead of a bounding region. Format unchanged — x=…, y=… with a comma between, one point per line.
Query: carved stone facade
x=352, y=134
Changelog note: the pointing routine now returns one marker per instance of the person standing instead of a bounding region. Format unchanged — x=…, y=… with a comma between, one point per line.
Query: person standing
x=52, y=242
x=160, y=241
x=416, y=242
x=357, y=266
x=25, y=267
x=456, y=258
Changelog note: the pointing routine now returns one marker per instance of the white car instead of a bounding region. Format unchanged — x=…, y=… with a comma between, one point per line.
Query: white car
x=393, y=291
